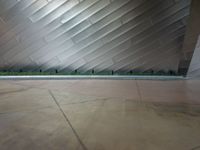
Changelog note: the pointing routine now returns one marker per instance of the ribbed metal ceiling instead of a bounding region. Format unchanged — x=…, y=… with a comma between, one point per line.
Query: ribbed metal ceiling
x=67, y=35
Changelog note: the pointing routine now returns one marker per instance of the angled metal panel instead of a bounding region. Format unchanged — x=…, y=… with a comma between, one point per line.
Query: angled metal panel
x=91, y=34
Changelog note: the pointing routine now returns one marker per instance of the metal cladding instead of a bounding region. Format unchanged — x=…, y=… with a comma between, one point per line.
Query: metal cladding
x=100, y=35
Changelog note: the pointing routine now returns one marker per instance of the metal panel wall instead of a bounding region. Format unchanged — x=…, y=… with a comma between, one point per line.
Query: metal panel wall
x=100, y=35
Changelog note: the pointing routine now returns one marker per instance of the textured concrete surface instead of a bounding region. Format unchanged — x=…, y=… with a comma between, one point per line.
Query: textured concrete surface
x=99, y=115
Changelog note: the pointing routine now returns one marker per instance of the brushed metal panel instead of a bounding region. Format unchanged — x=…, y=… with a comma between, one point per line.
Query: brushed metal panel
x=138, y=42
x=36, y=6
x=77, y=10
x=139, y=54
x=5, y=5
x=156, y=55
x=57, y=13
x=77, y=20
x=114, y=6
x=118, y=36
x=134, y=61
x=46, y=10
x=49, y=22
x=91, y=34
x=171, y=10
x=105, y=21
x=123, y=36
x=157, y=64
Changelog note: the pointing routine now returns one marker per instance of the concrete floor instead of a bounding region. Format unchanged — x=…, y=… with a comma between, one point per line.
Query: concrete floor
x=99, y=115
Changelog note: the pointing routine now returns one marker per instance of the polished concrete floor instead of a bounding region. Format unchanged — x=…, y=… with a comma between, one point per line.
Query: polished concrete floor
x=99, y=115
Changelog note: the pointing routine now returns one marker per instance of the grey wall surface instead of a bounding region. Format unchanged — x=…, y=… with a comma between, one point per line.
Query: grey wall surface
x=119, y=35
x=194, y=68
x=191, y=36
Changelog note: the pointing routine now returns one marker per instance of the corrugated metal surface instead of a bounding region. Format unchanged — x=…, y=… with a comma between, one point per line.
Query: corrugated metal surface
x=119, y=35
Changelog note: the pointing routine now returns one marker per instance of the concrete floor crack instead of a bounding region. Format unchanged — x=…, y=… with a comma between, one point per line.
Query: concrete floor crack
x=68, y=121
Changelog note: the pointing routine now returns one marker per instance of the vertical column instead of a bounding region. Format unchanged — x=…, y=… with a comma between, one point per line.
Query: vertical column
x=194, y=68
x=191, y=37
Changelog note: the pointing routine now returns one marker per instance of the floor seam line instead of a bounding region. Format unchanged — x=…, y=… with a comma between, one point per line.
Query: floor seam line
x=67, y=120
